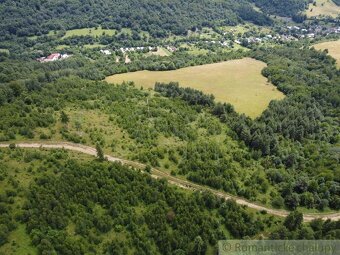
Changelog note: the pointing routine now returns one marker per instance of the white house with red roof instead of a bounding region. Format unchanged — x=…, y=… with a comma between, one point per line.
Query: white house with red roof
x=53, y=57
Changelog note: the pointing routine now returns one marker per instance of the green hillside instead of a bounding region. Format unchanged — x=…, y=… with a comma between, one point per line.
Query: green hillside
x=26, y=18
x=229, y=130
x=286, y=8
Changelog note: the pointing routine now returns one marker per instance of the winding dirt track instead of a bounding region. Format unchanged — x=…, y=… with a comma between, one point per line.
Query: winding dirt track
x=174, y=180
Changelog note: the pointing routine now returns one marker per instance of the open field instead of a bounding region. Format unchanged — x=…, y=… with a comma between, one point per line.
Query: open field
x=192, y=49
x=160, y=52
x=245, y=28
x=333, y=48
x=92, y=46
x=4, y=51
x=323, y=7
x=206, y=33
x=238, y=82
x=62, y=47
x=89, y=31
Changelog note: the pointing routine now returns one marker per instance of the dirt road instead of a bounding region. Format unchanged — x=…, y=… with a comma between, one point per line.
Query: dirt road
x=174, y=180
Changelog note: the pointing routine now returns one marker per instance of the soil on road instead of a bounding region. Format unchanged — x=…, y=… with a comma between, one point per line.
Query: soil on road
x=174, y=180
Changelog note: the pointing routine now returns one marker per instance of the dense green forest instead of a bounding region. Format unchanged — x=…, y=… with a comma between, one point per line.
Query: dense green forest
x=64, y=203
x=287, y=8
x=156, y=17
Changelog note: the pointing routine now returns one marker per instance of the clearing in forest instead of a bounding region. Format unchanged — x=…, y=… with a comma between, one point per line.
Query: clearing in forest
x=89, y=31
x=333, y=48
x=160, y=52
x=238, y=82
x=323, y=7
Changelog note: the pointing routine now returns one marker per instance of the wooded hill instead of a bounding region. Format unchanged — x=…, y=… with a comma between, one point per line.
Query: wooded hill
x=286, y=157
x=57, y=202
x=36, y=17
x=287, y=8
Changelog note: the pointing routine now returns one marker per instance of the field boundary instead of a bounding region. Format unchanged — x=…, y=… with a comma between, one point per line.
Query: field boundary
x=239, y=82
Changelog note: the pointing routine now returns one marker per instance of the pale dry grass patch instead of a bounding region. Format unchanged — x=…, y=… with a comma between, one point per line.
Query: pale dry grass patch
x=333, y=48
x=238, y=82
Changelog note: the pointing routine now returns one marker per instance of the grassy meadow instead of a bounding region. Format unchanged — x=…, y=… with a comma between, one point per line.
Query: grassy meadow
x=160, y=52
x=4, y=51
x=89, y=31
x=323, y=7
x=238, y=82
x=333, y=48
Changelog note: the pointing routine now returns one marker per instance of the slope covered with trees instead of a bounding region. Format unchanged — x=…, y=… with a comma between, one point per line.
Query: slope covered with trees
x=69, y=207
x=36, y=17
x=287, y=8
x=287, y=157
x=299, y=134
x=66, y=203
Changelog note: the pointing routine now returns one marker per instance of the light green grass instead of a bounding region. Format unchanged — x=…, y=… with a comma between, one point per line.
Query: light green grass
x=92, y=46
x=245, y=28
x=4, y=51
x=238, y=82
x=50, y=33
x=125, y=31
x=323, y=7
x=235, y=29
x=87, y=46
x=197, y=51
x=62, y=47
x=238, y=47
x=89, y=31
x=193, y=50
x=333, y=48
x=160, y=52
x=21, y=243
x=145, y=35
x=205, y=33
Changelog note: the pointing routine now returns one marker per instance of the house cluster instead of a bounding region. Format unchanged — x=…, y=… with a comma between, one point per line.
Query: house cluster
x=53, y=57
x=222, y=43
x=171, y=48
x=268, y=38
x=291, y=33
x=106, y=52
x=138, y=49
x=132, y=49
x=312, y=31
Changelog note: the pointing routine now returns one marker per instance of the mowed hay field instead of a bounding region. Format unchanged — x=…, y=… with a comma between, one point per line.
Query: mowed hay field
x=323, y=7
x=238, y=82
x=333, y=48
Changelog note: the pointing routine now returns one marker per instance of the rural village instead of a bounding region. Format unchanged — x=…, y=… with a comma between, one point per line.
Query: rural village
x=223, y=39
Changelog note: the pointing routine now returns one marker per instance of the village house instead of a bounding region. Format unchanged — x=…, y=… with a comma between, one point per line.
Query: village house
x=105, y=52
x=53, y=57
x=171, y=48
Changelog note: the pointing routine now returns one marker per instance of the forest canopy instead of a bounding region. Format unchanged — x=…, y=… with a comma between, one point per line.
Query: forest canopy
x=25, y=18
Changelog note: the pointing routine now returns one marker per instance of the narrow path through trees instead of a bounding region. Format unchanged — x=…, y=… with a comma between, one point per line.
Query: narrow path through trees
x=174, y=180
